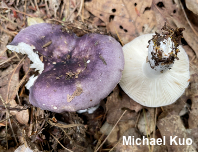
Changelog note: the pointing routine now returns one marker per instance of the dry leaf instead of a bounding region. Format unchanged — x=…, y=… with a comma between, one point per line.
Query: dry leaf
x=23, y=148
x=136, y=148
x=3, y=54
x=192, y=91
x=129, y=18
x=22, y=116
x=106, y=129
x=117, y=102
x=5, y=82
x=192, y=5
x=193, y=134
x=172, y=126
x=11, y=26
x=118, y=131
x=193, y=96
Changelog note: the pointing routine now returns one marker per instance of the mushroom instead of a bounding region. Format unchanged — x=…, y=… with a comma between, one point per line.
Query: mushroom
x=76, y=72
x=157, y=75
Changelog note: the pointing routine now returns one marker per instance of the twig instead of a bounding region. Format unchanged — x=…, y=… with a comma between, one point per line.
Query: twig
x=18, y=99
x=7, y=60
x=1, y=54
x=35, y=1
x=3, y=120
x=32, y=3
x=111, y=131
x=99, y=141
x=81, y=5
x=8, y=116
x=25, y=8
x=62, y=8
x=8, y=32
x=48, y=12
x=68, y=3
x=10, y=21
x=71, y=139
x=13, y=109
x=60, y=143
x=60, y=125
x=17, y=55
x=20, y=12
x=72, y=11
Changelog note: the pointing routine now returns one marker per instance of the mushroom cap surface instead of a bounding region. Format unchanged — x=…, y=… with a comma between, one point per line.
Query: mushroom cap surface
x=162, y=90
x=78, y=71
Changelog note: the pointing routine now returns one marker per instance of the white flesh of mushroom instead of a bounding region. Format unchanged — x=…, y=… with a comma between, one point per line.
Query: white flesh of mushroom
x=34, y=57
x=148, y=86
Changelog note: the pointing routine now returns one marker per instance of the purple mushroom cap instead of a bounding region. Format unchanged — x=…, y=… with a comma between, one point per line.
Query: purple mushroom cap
x=78, y=71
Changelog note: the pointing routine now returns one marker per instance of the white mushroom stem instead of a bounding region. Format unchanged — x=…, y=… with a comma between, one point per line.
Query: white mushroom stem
x=160, y=58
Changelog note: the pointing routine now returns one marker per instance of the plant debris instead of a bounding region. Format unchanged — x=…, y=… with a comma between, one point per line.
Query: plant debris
x=24, y=127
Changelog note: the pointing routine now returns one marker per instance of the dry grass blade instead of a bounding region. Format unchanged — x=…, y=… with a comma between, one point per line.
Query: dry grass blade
x=72, y=11
x=23, y=79
x=62, y=8
x=6, y=129
x=71, y=139
x=145, y=118
x=80, y=10
x=136, y=123
x=16, y=55
x=115, y=145
x=61, y=144
x=47, y=8
x=3, y=52
x=11, y=78
x=118, y=36
x=7, y=60
x=111, y=131
x=3, y=120
x=152, y=149
x=35, y=1
x=21, y=12
x=64, y=125
x=99, y=141
x=8, y=118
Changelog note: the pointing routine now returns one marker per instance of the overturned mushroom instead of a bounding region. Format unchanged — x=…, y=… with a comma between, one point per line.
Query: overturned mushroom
x=76, y=73
x=157, y=75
